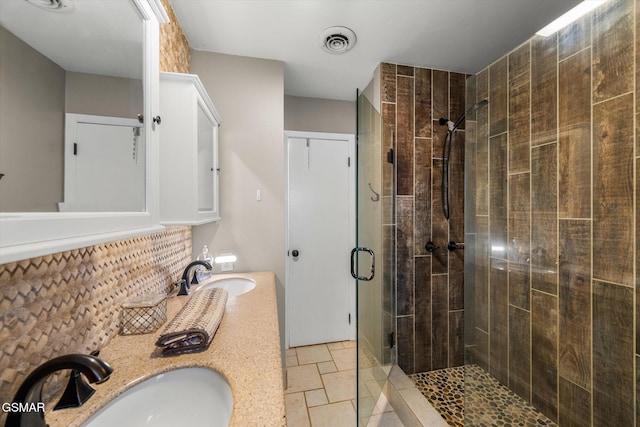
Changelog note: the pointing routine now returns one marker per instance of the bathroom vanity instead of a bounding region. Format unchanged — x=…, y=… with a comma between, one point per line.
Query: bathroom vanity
x=245, y=351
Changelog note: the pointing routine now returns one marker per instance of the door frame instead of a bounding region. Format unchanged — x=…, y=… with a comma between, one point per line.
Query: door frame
x=350, y=138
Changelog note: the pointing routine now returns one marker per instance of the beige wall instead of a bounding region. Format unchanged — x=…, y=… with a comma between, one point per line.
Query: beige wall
x=249, y=95
x=319, y=115
x=31, y=128
x=103, y=95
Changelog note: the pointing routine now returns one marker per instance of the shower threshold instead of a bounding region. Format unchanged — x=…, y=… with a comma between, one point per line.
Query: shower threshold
x=488, y=403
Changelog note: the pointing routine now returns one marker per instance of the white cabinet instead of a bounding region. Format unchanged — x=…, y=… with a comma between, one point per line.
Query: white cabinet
x=188, y=152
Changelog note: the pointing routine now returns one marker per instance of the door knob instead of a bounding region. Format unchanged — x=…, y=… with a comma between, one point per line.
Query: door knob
x=295, y=253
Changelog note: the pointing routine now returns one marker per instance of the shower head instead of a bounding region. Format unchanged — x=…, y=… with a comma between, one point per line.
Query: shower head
x=476, y=106
x=473, y=109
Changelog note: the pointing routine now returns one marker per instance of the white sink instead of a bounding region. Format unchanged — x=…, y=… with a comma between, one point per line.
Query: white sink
x=234, y=285
x=182, y=397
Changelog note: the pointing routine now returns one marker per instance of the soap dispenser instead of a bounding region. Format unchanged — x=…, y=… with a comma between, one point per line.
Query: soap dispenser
x=201, y=272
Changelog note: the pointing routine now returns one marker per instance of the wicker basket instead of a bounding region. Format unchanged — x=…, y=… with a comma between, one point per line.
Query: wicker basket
x=143, y=314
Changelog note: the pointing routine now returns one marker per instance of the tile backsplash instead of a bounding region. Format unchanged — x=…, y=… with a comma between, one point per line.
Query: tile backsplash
x=175, y=53
x=69, y=302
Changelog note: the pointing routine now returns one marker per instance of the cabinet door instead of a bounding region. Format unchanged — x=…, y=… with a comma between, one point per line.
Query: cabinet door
x=207, y=161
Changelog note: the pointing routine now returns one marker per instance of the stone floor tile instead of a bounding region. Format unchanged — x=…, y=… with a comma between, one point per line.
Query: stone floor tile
x=296, y=410
x=326, y=367
x=340, y=385
x=344, y=359
x=316, y=397
x=339, y=414
x=313, y=354
x=303, y=378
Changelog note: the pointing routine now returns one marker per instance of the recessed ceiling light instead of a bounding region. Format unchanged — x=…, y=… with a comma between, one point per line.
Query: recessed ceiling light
x=337, y=40
x=572, y=15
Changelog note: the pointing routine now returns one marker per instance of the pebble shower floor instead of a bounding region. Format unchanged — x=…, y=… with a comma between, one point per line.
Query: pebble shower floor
x=488, y=402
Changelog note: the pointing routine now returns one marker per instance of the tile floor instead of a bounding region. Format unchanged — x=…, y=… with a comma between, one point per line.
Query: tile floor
x=321, y=388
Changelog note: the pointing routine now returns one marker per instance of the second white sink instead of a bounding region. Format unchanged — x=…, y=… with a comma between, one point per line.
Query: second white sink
x=233, y=285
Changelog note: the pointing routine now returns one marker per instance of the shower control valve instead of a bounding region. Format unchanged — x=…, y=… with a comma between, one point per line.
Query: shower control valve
x=431, y=247
x=452, y=246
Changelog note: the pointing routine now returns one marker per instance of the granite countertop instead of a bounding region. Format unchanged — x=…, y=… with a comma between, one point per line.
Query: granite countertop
x=245, y=350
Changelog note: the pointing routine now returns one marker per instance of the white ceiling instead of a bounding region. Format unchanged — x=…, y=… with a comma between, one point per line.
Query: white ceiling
x=455, y=35
x=99, y=37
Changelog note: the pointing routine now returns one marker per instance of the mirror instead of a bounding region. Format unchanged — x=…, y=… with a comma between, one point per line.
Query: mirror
x=71, y=73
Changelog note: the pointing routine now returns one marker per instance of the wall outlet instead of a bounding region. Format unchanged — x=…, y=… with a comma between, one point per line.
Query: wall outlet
x=226, y=266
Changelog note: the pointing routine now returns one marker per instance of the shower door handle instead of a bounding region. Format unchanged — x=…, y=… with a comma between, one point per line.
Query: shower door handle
x=354, y=252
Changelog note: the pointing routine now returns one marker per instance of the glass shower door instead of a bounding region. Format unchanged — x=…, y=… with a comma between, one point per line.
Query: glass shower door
x=372, y=260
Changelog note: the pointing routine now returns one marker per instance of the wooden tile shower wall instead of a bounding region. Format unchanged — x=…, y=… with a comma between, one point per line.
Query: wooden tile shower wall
x=430, y=288
x=556, y=304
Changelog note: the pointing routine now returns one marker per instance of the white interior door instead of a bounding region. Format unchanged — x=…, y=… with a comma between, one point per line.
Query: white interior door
x=104, y=164
x=109, y=168
x=321, y=216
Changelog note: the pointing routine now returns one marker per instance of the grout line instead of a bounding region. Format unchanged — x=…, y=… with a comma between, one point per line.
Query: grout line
x=591, y=148
x=557, y=234
x=572, y=55
x=635, y=209
x=530, y=349
x=613, y=97
x=508, y=217
x=543, y=292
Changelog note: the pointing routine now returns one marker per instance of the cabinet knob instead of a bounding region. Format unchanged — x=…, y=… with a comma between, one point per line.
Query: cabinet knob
x=295, y=253
x=157, y=120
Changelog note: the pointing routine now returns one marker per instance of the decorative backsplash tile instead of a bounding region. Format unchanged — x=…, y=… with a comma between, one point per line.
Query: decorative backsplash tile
x=175, y=53
x=69, y=302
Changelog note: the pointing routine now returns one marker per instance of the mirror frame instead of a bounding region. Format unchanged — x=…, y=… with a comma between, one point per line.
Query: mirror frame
x=27, y=235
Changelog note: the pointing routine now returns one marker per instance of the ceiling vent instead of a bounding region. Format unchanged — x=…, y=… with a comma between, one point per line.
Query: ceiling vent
x=53, y=5
x=337, y=40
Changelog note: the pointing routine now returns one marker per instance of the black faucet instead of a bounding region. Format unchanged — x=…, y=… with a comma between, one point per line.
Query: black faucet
x=30, y=392
x=185, y=283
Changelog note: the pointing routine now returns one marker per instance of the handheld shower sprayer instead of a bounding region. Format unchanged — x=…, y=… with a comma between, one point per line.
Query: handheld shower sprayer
x=446, y=151
x=455, y=125
x=449, y=123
